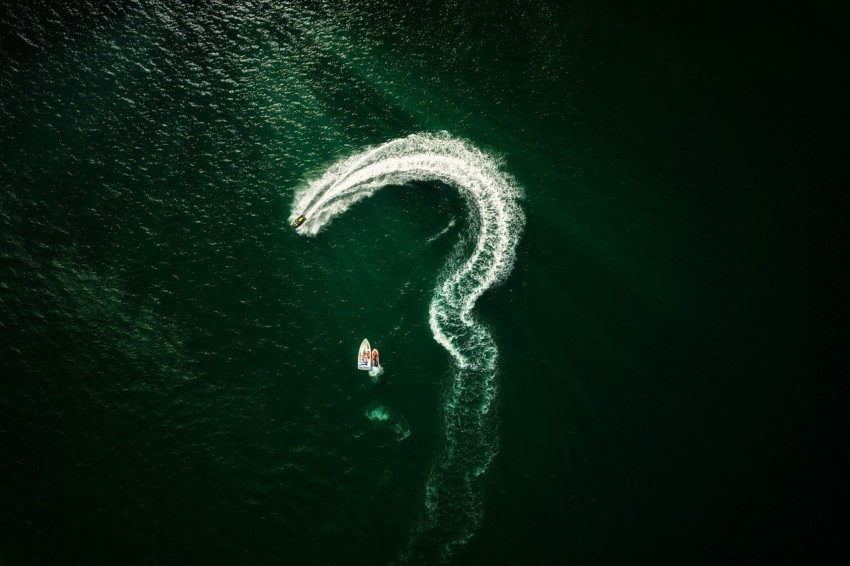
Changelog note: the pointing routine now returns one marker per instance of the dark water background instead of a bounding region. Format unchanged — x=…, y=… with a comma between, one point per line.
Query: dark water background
x=176, y=365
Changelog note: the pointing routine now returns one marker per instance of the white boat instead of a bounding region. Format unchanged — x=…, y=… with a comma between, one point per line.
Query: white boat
x=364, y=356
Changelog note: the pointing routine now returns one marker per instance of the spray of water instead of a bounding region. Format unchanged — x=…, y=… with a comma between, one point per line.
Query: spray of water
x=375, y=373
x=453, y=492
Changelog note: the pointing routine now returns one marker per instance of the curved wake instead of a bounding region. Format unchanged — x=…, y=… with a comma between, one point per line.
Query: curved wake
x=453, y=499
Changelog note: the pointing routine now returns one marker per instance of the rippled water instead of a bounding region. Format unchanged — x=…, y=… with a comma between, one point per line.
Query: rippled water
x=453, y=491
x=177, y=363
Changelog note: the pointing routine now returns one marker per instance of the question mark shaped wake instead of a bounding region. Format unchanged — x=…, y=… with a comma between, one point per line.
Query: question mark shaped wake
x=453, y=498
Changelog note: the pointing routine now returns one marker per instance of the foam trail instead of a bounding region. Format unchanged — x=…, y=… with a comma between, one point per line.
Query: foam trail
x=453, y=498
x=442, y=232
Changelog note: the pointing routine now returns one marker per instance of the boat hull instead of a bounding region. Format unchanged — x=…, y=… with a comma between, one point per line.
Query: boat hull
x=364, y=356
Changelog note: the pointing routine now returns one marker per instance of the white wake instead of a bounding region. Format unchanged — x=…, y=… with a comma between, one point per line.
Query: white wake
x=453, y=498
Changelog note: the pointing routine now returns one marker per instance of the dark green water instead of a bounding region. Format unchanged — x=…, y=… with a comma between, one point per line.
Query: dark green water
x=177, y=381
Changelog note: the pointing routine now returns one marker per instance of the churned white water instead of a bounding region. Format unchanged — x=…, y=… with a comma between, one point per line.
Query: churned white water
x=453, y=498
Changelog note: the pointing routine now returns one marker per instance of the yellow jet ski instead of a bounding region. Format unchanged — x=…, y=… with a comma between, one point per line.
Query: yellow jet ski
x=298, y=221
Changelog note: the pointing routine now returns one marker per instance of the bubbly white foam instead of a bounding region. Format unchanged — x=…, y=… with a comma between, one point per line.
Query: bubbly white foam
x=442, y=232
x=375, y=373
x=453, y=502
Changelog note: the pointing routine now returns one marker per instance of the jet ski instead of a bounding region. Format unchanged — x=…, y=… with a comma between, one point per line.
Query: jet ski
x=299, y=221
x=375, y=361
